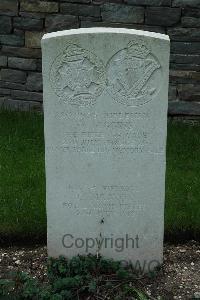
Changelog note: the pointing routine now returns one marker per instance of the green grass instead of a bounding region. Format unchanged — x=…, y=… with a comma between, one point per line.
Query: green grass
x=182, y=210
x=22, y=179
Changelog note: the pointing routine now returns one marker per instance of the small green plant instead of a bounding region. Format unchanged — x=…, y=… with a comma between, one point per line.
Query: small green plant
x=77, y=278
x=131, y=291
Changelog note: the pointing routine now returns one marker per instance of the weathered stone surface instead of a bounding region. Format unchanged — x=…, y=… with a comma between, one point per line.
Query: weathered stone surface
x=185, y=59
x=3, y=61
x=5, y=25
x=27, y=23
x=109, y=119
x=172, y=95
x=12, y=85
x=22, y=63
x=191, y=12
x=185, y=67
x=185, y=48
x=190, y=18
x=26, y=95
x=39, y=6
x=186, y=3
x=88, y=24
x=21, y=52
x=12, y=75
x=61, y=22
x=9, y=7
x=34, y=82
x=90, y=19
x=32, y=15
x=39, y=65
x=184, y=76
x=119, y=13
x=12, y=40
x=190, y=22
x=144, y=27
x=33, y=39
x=184, y=108
x=19, y=105
x=19, y=32
x=2, y=100
x=79, y=10
x=184, y=34
x=189, y=92
x=78, y=1
x=4, y=91
x=163, y=16
x=149, y=2
x=100, y=2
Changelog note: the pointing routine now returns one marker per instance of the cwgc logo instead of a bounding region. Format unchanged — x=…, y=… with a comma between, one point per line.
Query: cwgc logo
x=132, y=75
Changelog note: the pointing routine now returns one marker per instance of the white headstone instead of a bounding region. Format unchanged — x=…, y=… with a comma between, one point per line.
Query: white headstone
x=105, y=109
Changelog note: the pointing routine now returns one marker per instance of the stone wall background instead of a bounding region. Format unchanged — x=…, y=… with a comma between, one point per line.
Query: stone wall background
x=23, y=22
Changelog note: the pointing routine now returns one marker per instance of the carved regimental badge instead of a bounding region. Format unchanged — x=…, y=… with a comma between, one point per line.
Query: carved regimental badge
x=134, y=75
x=77, y=76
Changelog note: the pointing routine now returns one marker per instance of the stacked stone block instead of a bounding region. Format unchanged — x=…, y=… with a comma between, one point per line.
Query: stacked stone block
x=23, y=23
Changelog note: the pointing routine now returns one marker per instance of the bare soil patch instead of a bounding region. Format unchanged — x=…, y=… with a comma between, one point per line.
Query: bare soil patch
x=179, y=277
